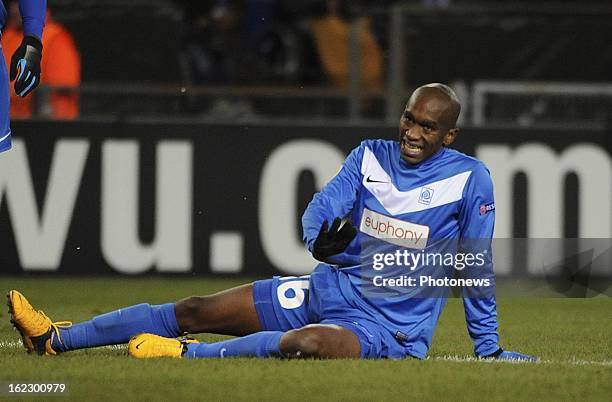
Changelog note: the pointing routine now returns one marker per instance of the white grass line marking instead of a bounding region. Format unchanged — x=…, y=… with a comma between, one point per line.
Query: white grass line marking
x=573, y=362
x=18, y=345
x=458, y=359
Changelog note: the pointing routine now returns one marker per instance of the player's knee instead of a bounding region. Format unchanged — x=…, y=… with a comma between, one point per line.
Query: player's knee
x=189, y=313
x=302, y=343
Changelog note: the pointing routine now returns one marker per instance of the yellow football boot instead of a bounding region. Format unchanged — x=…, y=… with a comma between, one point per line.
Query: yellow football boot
x=34, y=326
x=144, y=346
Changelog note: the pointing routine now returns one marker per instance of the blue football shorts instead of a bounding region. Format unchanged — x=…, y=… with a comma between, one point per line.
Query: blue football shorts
x=5, y=128
x=285, y=303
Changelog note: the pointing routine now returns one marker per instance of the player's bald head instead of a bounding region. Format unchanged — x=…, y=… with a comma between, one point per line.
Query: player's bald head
x=446, y=97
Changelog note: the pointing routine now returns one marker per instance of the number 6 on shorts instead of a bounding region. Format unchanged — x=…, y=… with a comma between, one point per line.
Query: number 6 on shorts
x=291, y=292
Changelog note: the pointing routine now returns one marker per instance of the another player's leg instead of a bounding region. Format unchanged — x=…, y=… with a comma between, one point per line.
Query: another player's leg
x=5, y=129
x=323, y=341
x=169, y=320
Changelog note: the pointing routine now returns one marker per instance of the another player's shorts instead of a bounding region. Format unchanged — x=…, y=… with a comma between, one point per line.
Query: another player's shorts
x=285, y=303
x=5, y=128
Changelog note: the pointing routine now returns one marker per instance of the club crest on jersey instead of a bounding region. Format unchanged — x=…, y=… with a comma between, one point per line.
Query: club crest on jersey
x=426, y=196
x=484, y=208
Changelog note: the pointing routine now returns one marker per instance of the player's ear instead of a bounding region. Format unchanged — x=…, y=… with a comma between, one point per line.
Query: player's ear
x=450, y=136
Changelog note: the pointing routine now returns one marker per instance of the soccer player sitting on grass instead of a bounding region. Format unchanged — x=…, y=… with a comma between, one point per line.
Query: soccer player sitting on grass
x=415, y=186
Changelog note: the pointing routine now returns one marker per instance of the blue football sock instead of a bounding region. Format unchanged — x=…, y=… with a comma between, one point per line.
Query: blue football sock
x=118, y=327
x=260, y=344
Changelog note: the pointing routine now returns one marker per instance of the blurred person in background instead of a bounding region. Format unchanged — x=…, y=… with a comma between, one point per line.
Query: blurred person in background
x=212, y=53
x=212, y=40
x=437, y=3
x=236, y=42
x=60, y=67
x=233, y=42
x=273, y=43
x=332, y=36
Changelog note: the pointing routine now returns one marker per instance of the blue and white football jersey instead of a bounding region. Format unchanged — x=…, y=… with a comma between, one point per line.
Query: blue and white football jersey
x=448, y=197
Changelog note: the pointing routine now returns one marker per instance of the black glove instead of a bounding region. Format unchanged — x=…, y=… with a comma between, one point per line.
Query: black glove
x=333, y=241
x=25, y=65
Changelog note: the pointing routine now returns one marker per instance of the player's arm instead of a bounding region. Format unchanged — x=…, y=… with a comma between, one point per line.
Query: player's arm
x=477, y=220
x=25, y=63
x=321, y=221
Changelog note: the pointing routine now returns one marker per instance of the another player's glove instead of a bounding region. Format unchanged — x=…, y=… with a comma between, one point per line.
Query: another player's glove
x=25, y=65
x=508, y=355
x=333, y=241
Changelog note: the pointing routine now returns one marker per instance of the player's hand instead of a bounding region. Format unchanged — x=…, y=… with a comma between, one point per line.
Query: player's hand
x=333, y=241
x=508, y=355
x=513, y=356
x=25, y=65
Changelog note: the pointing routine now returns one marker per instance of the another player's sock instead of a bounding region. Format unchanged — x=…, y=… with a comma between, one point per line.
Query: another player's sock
x=118, y=327
x=260, y=344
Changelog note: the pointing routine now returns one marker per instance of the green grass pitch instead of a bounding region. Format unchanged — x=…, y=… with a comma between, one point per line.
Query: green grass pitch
x=573, y=338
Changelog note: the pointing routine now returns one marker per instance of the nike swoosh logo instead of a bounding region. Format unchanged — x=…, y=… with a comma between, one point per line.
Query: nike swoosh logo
x=140, y=344
x=369, y=180
x=222, y=352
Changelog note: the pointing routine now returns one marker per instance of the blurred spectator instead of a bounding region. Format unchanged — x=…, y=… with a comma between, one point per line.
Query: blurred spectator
x=61, y=67
x=437, y=3
x=332, y=33
x=259, y=20
x=213, y=42
x=273, y=46
x=229, y=42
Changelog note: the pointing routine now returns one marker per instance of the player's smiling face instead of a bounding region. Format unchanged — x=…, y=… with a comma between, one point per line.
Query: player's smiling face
x=426, y=125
